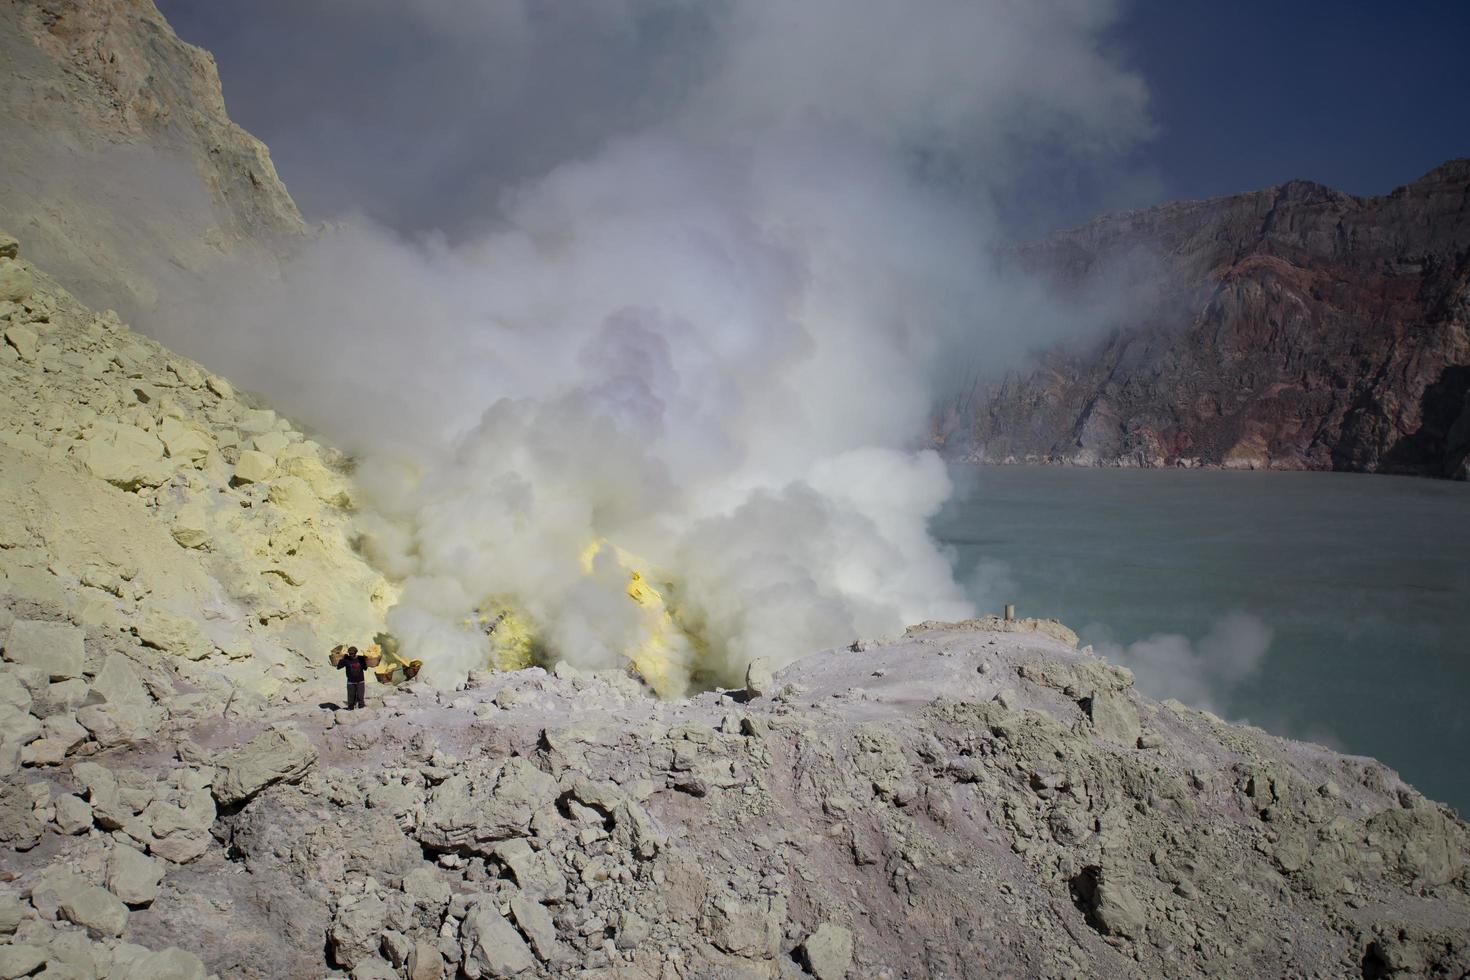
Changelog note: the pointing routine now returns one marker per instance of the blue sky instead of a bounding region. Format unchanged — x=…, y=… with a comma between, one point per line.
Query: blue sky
x=358, y=107
x=1362, y=96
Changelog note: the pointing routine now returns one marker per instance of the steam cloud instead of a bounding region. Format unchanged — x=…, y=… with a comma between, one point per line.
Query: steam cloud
x=712, y=340
x=1168, y=665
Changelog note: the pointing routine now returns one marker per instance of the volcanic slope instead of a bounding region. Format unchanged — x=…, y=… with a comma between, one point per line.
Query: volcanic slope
x=1291, y=328
x=145, y=500
x=971, y=800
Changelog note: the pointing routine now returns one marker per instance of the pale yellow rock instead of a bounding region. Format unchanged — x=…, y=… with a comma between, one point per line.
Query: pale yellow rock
x=270, y=443
x=184, y=442
x=125, y=456
x=220, y=387
x=25, y=341
x=254, y=467
x=296, y=495
x=187, y=374
x=257, y=421
x=16, y=283
x=328, y=486
x=190, y=526
x=170, y=632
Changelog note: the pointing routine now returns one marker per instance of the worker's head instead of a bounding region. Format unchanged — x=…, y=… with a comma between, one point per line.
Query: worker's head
x=352, y=651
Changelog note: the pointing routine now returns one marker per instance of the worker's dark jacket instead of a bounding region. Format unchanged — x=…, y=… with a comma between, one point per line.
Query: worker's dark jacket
x=356, y=668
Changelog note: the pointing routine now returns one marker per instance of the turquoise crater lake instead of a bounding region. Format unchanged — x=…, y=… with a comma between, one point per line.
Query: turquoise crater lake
x=1325, y=606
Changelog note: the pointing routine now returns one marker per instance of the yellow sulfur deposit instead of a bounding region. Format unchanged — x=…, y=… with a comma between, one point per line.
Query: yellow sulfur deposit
x=667, y=652
x=513, y=643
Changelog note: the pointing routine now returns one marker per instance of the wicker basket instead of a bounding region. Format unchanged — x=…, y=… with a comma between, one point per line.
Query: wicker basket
x=411, y=669
x=335, y=657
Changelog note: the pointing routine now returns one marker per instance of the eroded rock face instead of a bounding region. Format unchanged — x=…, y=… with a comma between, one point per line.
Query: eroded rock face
x=136, y=170
x=1293, y=328
x=121, y=512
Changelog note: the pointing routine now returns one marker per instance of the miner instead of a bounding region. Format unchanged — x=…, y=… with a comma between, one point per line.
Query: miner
x=356, y=665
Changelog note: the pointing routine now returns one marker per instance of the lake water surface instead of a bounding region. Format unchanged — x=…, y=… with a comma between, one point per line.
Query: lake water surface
x=1326, y=606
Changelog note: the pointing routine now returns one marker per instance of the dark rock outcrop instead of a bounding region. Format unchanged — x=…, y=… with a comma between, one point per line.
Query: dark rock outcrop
x=1292, y=328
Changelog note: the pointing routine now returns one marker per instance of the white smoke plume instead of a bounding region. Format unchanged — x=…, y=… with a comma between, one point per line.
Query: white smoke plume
x=711, y=341
x=1204, y=675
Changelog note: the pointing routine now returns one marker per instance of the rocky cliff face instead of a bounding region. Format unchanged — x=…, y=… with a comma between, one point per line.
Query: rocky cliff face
x=144, y=499
x=120, y=167
x=1294, y=328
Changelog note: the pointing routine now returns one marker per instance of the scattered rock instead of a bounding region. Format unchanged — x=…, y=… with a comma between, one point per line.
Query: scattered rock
x=133, y=876
x=760, y=681
x=56, y=648
x=492, y=946
x=275, y=755
x=827, y=953
x=97, y=910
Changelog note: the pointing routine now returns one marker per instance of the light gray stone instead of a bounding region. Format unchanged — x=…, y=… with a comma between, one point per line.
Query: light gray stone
x=95, y=909
x=760, y=681
x=133, y=876
x=56, y=648
x=827, y=952
x=73, y=814
x=276, y=755
x=492, y=947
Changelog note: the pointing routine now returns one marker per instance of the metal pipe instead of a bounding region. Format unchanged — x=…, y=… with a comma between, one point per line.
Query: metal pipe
x=1010, y=611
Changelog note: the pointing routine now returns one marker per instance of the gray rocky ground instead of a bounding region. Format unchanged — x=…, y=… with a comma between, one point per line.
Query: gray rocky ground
x=971, y=800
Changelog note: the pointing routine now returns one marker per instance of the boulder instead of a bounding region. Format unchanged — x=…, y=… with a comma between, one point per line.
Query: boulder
x=270, y=443
x=95, y=909
x=254, y=467
x=425, y=962
x=221, y=388
x=25, y=340
x=20, y=828
x=172, y=633
x=275, y=755
x=760, y=681
x=190, y=526
x=469, y=814
x=19, y=726
x=133, y=876
x=184, y=442
x=294, y=494
x=827, y=953
x=108, y=809
x=535, y=923
x=63, y=729
x=16, y=284
x=9, y=246
x=1113, y=717
x=44, y=752
x=56, y=648
x=1110, y=905
x=120, y=723
x=165, y=964
x=538, y=873
x=491, y=945
x=125, y=456
x=118, y=683
x=12, y=914
x=357, y=930
x=20, y=960
x=73, y=814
